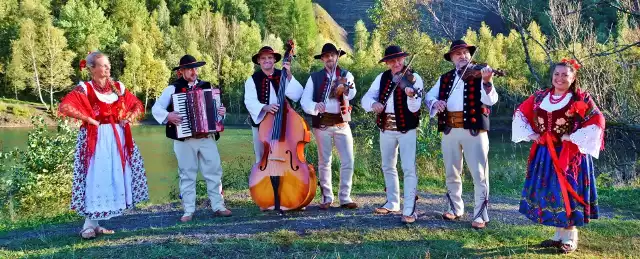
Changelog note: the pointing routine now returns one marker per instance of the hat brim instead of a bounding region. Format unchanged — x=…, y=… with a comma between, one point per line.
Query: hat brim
x=276, y=55
x=472, y=49
x=319, y=56
x=192, y=65
x=392, y=56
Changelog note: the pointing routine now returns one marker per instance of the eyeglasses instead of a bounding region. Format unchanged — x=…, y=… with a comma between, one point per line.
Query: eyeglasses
x=105, y=66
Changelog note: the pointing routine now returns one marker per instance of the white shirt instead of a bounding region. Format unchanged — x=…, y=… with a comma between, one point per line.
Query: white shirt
x=455, y=103
x=332, y=105
x=159, y=109
x=106, y=98
x=372, y=94
x=254, y=106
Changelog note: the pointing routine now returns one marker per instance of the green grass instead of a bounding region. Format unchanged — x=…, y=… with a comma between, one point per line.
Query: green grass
x=603, y=238
x=14, y=101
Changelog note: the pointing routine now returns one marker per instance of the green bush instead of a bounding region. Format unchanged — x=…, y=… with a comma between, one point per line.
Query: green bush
x=20, y=110
x=3, y=107
x=36, y=181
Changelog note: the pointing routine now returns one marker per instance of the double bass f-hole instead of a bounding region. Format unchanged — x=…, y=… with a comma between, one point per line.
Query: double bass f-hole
x=294, y=168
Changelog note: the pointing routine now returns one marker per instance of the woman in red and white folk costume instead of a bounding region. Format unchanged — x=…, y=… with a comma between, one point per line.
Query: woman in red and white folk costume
x=108, y=175
x=568, y=131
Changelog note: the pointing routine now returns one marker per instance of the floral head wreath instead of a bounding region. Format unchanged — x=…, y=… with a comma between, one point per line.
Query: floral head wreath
x=571, y=62
x=83, y=62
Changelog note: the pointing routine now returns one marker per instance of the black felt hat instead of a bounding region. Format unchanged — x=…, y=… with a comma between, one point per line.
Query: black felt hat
x=328, y=48
x=459, y=44
x=188, y=61
x=392, y=52
x=266, y=50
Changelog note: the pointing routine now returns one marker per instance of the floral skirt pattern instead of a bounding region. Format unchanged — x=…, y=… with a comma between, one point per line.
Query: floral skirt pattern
x=139, y=188
x=542, y=200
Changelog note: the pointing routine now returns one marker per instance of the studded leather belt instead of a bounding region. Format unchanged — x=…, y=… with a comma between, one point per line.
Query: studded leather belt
x=455, y=119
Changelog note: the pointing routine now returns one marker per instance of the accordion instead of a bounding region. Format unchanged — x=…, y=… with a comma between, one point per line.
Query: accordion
x=199, y=111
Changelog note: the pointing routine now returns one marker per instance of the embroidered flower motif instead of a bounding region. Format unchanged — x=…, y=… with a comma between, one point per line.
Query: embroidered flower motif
x=561, y=121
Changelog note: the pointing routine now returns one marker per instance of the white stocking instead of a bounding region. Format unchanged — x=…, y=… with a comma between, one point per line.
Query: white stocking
x=88, y=223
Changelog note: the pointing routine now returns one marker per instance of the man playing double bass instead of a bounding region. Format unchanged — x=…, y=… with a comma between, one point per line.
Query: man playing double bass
x=200, y=150
x=398, y=116
x=462, y=106
x=260, y=91
x=329, y=124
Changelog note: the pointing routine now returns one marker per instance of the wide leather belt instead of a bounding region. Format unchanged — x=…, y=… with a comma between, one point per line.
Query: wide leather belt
x=331, y=119
x=200, y=136
x=455, y=119
x=390, y=122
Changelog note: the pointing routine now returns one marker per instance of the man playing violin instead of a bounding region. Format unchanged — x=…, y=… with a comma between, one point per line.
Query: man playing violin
x=462, y=106
x=329, y=124
x=260, y=91
x=398, y=115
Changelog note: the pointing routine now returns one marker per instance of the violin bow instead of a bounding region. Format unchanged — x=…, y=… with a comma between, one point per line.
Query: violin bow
x=332, y=78
x=401, y=75
x=455, y=84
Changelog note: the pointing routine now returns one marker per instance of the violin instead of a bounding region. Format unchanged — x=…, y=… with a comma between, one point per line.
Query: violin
x=404, y=79
x=474, y=70
x=282, y=180
x=336, y=91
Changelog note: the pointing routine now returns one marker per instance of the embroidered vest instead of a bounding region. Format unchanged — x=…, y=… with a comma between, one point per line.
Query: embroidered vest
x=475, y=113
x=320, y=81
x=558, y=122
x=263, y=91
x=405, y=119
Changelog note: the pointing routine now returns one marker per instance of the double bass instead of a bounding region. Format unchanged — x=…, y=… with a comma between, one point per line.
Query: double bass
x=282, y=180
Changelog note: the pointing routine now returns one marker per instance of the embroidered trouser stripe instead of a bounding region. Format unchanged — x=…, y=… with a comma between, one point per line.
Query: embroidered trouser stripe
x=194, y=154
x=476, y=150
x=390, y=143
x=342, y=139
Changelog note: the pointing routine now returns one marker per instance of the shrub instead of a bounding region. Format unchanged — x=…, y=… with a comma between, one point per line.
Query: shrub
x=36, y=181
x=3, y=107
x=20, y=110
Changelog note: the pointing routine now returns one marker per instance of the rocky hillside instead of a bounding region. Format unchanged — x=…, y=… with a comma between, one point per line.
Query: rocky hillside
x=460, y=14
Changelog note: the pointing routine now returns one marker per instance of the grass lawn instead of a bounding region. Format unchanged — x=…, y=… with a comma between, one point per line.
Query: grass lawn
x=339, y=234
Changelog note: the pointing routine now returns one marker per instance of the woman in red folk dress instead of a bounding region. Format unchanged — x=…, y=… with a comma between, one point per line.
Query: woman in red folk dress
x=568, y=132
x=108, y=175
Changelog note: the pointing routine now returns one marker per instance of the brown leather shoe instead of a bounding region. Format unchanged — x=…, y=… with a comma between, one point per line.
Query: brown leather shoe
x=186, y=219
x=324, y=206
x=382, y=210
x=351, y=205
x=478, y=225
x=222, y=213
x=551, y=243
x=449, y=216
x=408, y=219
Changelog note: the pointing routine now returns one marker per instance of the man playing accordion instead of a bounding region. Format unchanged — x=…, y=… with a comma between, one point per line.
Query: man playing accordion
x=198, y=149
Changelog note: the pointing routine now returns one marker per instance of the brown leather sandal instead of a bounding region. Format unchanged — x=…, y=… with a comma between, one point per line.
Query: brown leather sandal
x=88, y=233
x=450, y=216
x=104, y=231
x=567, y=248
x=384, y=211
